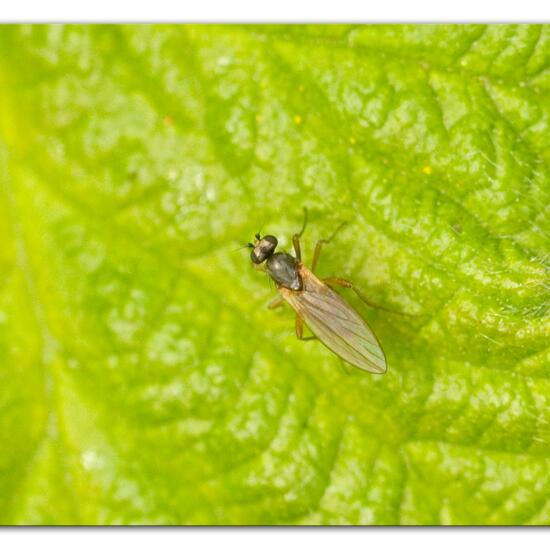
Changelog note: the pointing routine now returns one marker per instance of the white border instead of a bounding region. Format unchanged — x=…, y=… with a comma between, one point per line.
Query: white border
x=248, y=11
x=276, y=538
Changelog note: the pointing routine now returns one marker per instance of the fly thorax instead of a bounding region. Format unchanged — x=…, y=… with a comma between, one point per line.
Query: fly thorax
x=283, y=269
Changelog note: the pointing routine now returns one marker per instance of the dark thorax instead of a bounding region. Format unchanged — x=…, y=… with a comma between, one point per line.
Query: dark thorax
x=283, y=269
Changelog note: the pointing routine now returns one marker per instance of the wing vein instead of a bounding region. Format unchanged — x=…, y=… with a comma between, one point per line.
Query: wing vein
x=337, y=325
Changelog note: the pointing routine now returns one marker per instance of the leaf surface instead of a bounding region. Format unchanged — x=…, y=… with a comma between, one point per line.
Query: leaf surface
x=142, y=378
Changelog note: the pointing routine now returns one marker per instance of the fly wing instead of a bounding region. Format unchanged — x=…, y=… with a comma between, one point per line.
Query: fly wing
x=336, y=324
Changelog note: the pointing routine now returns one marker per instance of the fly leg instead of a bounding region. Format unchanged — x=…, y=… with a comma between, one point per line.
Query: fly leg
x=276, y=302
x=296, y=238
x=299, y=326
x=338, y=281
x=320, y=244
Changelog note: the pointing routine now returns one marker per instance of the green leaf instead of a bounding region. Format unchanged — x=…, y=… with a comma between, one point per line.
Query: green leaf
x=142, y=378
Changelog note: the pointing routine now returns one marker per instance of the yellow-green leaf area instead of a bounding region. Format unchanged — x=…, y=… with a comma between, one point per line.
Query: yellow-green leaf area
x=142, y=378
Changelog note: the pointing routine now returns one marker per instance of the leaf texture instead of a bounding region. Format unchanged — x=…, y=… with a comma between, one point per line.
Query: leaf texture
x=142, y=378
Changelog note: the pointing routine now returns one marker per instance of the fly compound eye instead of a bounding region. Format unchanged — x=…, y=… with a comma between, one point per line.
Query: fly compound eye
x=263, y=249
x=254, y=257
x=269, y=243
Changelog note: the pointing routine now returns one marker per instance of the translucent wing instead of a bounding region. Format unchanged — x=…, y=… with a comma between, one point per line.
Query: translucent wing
x=336, y=324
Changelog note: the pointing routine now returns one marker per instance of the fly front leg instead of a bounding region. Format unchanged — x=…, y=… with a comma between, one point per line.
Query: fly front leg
x=296, y=244
x=296, y=238
x=299, y=327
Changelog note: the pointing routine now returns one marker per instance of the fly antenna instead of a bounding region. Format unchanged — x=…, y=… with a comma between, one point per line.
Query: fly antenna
x=259, y=232
x=247, y=245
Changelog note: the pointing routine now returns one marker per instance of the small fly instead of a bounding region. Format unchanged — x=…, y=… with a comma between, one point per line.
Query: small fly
x=332, y=320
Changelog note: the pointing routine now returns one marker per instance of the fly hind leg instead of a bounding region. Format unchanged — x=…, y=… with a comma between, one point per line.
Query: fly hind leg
x=299, y=327
x=338, y=281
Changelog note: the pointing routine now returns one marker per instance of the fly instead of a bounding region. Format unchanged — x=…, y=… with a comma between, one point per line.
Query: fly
x=332, y=320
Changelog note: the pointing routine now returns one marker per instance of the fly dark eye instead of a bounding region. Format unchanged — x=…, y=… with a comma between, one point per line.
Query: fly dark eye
x=254, y=257
x=263, y=249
